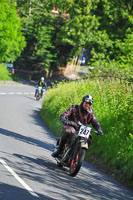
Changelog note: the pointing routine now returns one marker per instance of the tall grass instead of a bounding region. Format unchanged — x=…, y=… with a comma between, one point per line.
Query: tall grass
x=112, y=106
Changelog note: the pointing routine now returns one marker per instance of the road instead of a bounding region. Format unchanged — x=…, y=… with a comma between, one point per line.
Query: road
x=27, y=170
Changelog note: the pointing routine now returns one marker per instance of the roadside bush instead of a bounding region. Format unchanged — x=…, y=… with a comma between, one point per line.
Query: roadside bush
x=4, y=73
x=113, y=108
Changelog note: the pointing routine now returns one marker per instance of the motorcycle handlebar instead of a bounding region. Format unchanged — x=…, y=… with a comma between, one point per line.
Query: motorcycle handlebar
x=94, y=131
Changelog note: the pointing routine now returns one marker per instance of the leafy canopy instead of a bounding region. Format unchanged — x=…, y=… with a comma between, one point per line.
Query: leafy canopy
x=11, y=38
x=104, y=27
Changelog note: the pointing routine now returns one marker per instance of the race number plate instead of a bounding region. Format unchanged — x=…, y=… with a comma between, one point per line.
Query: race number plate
x=39, y=88
x=84, y=131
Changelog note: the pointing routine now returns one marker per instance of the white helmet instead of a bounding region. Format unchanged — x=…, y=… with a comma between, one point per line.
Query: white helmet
x=88, y=98
x=42, y=78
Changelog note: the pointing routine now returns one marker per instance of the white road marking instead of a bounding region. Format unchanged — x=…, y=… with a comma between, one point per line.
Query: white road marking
x=18, y=178
x=11, y=93
x=18, y=93
x=26, y=93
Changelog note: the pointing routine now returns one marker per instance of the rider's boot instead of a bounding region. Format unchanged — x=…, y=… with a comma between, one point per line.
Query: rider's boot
x=56, y=153
x=60, y=148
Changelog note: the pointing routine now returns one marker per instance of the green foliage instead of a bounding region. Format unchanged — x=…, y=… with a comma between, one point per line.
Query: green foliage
x=112, y=68
x=126, y=49
x=66, y=36
x=45, y=47
x=114, y=22
x=104, y=27
x=39, y=52
x=4, y=73
x=112, y=106
x=76, y=27
x=11, y=39
x=39, y=31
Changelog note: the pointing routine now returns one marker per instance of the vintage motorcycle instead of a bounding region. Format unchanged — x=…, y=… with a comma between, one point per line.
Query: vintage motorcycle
x=38, y=93
x=74, y=151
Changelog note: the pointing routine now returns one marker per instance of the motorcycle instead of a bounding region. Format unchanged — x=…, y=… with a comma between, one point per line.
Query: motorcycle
x=74, y=151
x=38, y=93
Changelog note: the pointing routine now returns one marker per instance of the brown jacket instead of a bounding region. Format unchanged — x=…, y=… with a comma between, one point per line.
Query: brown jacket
x=76, y=114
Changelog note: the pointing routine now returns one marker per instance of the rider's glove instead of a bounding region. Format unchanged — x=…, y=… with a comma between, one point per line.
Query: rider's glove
x=100, y=132
x=65, y=121
x=75, y=125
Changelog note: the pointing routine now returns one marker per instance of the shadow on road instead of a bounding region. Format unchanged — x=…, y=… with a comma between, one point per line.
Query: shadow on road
x=10, y=192
x=26, y=139
x=28, y=97
x=95, y=185
x=38, y=161
x=92, y=185
x=39, y=122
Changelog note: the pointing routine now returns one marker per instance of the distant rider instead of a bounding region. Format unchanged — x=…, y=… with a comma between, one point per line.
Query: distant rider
x=71, y=117
x=41, y=83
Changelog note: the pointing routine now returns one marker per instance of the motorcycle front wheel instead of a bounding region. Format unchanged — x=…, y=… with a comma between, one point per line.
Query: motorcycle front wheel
x=37, y=97
x=76, y=162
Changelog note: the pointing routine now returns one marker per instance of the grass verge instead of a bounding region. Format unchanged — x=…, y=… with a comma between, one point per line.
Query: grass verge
x=113, y=108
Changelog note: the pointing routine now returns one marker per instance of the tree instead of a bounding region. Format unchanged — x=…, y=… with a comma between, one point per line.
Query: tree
x=67, y=36
x=12, y=41
x=98, y=25
x=38, y=30
x=114, y=19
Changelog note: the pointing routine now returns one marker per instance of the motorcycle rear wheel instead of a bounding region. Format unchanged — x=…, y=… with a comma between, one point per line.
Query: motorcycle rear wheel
x=76, y=162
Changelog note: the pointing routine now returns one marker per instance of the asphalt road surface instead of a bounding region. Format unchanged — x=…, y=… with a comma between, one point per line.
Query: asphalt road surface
x=27, y=170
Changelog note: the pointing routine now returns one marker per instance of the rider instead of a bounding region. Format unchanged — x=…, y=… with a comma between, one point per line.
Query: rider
x=41, y=83
x=71, y=117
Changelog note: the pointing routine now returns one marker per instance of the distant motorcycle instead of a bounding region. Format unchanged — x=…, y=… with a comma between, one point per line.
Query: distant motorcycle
x=38, y=93
x=73, y=154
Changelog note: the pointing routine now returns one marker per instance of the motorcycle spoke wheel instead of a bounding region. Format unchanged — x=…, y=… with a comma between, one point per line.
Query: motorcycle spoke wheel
x=76, y=162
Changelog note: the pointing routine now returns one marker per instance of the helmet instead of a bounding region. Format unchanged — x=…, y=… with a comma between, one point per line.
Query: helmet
x=88, y=98
x=42, y=78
